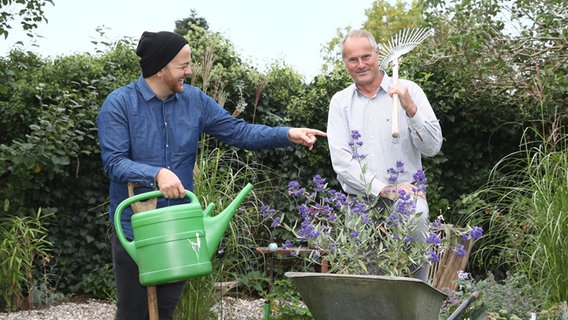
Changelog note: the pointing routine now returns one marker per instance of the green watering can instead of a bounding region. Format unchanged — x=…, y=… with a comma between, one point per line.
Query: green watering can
x=177, y=242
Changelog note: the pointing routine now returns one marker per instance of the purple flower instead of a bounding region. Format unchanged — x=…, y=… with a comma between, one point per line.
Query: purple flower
x=275, y=223
x=355, y=144
x=392, y=175
x=419, y=178
x=356, y=155
x=319, y=183
x=286, y=244
x=400, y=166
x=433, y=239
x=433, y=256
x=358, y=207
x=355, y=135
x=304, y=210
x=294, y=189
x=333, y=247
x=460, y=251
x=264, y=209
x=315, y=254
x=355, y=235
x=476, y=232
x=436, y=223
x=308, y=231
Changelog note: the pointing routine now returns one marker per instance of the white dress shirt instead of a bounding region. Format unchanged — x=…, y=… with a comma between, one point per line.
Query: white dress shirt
x=349, y=110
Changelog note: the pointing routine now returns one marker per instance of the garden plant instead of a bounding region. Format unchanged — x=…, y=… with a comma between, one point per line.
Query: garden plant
x=359, y=235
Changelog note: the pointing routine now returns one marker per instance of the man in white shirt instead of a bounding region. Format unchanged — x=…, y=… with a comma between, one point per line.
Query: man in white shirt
x=366, y=106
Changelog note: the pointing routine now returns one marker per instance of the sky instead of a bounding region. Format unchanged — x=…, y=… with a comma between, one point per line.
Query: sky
x=292, y=31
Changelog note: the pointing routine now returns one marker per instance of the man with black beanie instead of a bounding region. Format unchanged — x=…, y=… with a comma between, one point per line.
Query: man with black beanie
x=149, y=134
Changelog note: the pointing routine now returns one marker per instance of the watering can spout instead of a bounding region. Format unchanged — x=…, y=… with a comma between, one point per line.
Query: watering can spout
x=215, y=226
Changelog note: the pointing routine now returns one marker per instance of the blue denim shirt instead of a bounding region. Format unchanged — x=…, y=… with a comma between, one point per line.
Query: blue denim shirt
x=140, y=134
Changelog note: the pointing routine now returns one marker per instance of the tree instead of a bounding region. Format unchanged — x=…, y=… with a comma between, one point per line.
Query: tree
x=183, y=26
x=30, y=11
x=383, y=21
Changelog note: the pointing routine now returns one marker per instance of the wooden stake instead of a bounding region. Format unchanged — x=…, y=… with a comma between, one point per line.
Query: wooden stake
x=137, y=207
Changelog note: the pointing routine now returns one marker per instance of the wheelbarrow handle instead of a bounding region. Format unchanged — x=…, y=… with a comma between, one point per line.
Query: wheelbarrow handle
x=464, y=305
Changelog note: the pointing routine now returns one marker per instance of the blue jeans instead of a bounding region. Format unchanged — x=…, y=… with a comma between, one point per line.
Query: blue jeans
x=132, y=302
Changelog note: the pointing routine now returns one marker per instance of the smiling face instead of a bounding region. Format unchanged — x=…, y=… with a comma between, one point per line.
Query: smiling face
x=177, y=70
x=361, y=60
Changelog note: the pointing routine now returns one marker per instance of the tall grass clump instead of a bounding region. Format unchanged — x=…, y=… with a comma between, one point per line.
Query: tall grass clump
x=23, y=246
x=219, y=175
x=525, y=209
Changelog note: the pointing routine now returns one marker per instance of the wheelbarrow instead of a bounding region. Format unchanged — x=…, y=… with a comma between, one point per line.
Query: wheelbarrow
x=339, y=296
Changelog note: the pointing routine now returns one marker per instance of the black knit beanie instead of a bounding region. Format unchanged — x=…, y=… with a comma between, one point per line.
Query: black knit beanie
x=157, y=49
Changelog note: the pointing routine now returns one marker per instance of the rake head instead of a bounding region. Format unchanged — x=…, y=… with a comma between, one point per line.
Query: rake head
x=401, y=44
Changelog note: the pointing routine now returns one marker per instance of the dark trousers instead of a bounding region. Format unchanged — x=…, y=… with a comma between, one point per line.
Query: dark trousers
x=132, y=302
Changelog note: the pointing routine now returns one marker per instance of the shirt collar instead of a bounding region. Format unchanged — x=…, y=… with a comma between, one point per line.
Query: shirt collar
x=144, y=89
x=147, y=92
x=385, y=84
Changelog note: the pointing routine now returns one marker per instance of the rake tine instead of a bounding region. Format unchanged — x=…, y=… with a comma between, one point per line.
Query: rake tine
x=397, y=46
x=402, y=43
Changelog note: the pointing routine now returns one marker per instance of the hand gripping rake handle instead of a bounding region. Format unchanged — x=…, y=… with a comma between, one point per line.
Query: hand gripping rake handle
x=397, y=46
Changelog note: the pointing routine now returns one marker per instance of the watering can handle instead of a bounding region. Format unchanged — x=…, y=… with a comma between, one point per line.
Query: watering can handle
x=130, y=201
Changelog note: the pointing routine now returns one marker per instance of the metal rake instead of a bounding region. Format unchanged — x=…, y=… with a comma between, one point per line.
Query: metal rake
x=402, y=43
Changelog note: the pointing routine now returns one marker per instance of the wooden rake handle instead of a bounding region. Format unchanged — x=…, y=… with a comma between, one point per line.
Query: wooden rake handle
x=137, y=207
x=394, y=124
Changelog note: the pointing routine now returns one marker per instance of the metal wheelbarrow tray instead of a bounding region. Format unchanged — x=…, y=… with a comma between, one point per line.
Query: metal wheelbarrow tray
x=340, y=296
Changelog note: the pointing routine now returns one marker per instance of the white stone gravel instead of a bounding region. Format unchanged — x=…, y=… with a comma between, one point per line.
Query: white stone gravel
x=90, y=309
x=233, y=309
x=240, y=309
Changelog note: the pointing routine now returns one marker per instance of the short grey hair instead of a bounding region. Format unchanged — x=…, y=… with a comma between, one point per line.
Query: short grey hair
x=358, y=34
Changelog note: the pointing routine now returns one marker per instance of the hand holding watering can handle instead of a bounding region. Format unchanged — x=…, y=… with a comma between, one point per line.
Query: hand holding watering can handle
x=129, y=245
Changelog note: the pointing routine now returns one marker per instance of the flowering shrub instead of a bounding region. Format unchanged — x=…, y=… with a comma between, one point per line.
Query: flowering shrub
x=364, y=234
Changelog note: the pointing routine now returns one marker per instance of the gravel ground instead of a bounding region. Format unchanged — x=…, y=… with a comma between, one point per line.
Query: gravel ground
x=233, y=309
